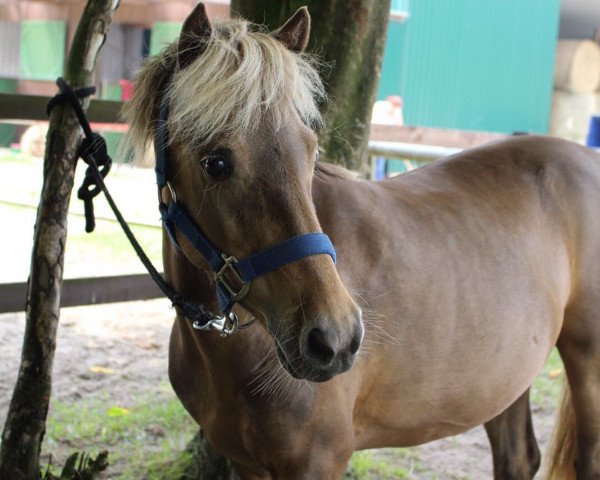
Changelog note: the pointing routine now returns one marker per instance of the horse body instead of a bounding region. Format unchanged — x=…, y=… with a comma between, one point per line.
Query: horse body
x=476, y=294
x=465, y=273
x=467, y=311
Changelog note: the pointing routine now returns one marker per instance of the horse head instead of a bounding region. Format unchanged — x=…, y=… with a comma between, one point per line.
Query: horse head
x=242, y=107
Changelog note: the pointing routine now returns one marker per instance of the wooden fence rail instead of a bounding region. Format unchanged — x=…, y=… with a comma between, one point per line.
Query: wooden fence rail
x=86, y=291
x=17, y=108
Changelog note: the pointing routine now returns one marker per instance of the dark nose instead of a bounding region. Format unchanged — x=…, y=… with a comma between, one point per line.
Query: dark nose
x=321, y=347
x=328, y=348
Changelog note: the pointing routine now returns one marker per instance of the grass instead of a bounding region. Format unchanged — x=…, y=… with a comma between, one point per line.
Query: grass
x=106, y=251
x=145, y=440
x=366, y=464
x=15, y=155
x=546, y=389
x=109, y=244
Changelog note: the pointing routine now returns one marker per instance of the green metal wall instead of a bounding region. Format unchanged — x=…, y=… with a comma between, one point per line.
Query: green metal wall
x=7, y=131
x=474, y=64
x=163, y=33
x=43, y=45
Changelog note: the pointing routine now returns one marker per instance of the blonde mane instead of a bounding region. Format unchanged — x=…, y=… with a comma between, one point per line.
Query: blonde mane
x=243, y=77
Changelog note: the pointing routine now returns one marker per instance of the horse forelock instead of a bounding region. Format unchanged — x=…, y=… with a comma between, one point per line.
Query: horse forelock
x=141, y=111
x=243, y=78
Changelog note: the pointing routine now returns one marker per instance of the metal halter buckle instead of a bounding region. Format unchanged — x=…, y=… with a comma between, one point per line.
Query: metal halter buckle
x=230, y=265
x=171, y=193
x=224, y=325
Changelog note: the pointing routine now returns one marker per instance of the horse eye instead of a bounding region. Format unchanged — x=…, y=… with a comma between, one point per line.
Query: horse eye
x=217, y=166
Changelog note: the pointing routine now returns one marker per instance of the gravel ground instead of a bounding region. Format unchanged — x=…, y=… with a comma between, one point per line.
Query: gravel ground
x=131, y=339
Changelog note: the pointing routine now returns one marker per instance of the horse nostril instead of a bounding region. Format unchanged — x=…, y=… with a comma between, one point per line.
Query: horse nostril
x=319, y=347
x=355, y=344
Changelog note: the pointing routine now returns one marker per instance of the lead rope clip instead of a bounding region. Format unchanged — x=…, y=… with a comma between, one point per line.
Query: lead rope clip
x=225, y=325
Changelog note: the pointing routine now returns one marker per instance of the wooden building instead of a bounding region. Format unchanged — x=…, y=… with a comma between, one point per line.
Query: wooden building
x=35, y=36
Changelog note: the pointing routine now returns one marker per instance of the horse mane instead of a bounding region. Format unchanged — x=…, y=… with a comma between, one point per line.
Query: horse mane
x=243, y=77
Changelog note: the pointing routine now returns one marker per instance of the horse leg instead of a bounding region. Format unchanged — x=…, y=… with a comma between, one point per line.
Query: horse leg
x=327, y=467
x=581, y=356
x=514, y=448
x=244, y=473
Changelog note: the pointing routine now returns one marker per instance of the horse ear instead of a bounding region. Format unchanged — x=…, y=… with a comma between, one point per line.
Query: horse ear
x=294, y=34
x=195, y=25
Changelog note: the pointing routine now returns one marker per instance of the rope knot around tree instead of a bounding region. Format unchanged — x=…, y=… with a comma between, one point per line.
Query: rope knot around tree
x=93, y=148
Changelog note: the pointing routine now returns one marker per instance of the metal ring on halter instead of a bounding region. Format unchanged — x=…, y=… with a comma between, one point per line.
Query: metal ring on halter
x=172, y=192
x=225, y=325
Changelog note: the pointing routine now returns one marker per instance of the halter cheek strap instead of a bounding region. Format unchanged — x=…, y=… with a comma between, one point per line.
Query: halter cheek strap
x=232, y=276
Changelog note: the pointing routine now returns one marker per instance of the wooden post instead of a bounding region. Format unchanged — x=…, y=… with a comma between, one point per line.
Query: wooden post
x=26, y=420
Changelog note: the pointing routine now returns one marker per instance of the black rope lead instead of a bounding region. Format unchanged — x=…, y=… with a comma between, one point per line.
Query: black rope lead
x=94, y=153
x=93, y=149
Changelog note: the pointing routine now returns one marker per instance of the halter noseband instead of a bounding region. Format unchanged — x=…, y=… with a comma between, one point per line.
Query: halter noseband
x=174, y=216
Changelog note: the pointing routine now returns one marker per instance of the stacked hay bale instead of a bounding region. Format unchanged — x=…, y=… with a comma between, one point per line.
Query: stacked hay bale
x=576, y=88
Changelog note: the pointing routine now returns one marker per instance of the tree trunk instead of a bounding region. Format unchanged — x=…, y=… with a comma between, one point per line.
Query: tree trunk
x=349, y=35
x=207, y=463
x=26, y=419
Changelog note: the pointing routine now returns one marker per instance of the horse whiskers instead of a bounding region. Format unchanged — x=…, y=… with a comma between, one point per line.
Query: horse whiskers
x=278, y=333
x=367, y=311
x=269, y=375
x=371, y=321
x=271, y=380
x=278, y=384
x=372, y=341
x=363, y=353
x=377, y=332
x=358, y=294
x=266, y=377
x=301, y=305
x=262, y=362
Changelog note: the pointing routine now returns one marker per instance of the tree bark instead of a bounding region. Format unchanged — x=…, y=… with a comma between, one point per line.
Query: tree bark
x=26, y=420
x=349, y=35
x=207, y=463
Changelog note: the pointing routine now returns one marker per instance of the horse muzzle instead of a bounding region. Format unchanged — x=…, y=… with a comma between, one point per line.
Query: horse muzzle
x=323, y=350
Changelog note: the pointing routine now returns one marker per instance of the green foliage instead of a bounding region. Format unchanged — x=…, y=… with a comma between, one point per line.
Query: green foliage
x=547, y=387
x=147, y=440
x=364, y=465
x=107, y=251
x=15, y=155
x=80, y=466
x=109, y=242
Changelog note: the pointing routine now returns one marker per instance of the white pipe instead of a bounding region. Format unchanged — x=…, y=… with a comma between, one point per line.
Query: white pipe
x=412, y=151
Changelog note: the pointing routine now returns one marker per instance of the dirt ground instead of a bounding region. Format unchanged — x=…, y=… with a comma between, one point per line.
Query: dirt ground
x=131, y=340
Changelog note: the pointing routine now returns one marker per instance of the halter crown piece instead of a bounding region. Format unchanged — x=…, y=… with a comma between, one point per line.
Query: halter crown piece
x=226, y=267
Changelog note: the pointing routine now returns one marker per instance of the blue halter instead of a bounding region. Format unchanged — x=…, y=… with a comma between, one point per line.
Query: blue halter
x=174, y=216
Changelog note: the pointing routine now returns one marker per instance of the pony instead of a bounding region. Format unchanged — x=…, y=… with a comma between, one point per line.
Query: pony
x=452, y=283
